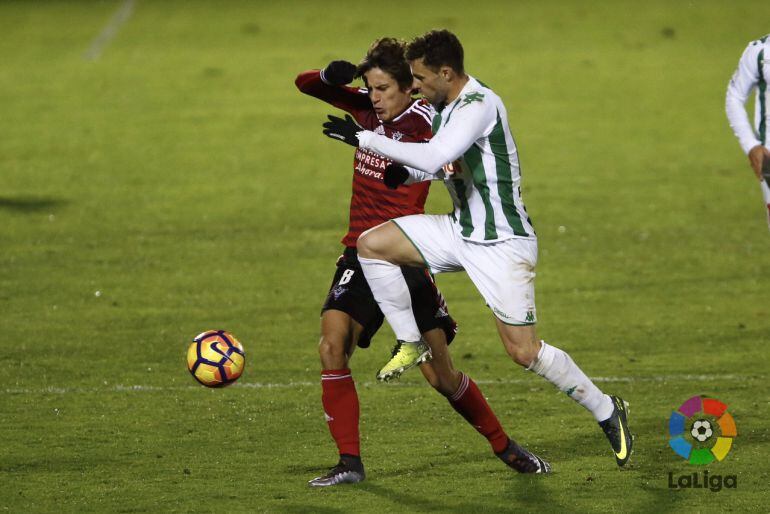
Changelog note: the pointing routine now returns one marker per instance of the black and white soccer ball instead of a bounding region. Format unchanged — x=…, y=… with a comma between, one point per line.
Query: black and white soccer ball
x=701, y=430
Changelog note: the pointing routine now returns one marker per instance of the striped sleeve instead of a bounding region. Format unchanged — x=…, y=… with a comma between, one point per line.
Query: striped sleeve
x=745, y=78
x=468, y=124
x=349, y=99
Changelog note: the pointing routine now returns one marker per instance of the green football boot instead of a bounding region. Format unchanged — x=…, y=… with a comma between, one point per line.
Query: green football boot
x=405, y=355
x=616, y=429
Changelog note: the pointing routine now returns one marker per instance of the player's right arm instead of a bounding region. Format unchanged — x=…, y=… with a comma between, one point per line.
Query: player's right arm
x=397, y=175
x=469, y=122
x=416, y=176
x=330, y=86
x=743, y=81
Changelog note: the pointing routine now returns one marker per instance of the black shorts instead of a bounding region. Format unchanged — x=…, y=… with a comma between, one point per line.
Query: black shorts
x=350, y=294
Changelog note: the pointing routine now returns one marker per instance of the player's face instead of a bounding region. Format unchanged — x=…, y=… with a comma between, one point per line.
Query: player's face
x=433, y=86
x=388, y=99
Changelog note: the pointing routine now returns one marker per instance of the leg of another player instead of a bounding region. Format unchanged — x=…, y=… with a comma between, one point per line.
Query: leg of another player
x=557, y=367
x=339, y=334
x=387, y=242
x=554, y=365
x=466, y=398
x=461, y=392
x=381, y=250
x=439, y=371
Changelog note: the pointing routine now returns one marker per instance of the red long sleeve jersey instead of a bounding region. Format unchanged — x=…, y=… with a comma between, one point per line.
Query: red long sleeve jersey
x=372, y=202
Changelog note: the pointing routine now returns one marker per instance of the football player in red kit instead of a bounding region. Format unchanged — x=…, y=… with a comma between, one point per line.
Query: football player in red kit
x=350, y=316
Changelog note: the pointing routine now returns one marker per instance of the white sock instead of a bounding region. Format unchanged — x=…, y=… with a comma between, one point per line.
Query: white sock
x=392, y=294
x=557, y=367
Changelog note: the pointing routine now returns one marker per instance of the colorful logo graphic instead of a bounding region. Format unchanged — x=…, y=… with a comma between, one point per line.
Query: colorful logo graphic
x=702, y=430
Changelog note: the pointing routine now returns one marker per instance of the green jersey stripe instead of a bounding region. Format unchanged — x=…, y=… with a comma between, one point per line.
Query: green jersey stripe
x=505, y=178
x=436, y=123
x=482, y=175
x=472, y=158
x=466, y=222
x=762, y=86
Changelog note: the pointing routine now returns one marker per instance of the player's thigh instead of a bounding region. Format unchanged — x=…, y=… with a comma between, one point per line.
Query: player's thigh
x=434, y=238
x=350, y=301
x=504, y=274
x=388, y=243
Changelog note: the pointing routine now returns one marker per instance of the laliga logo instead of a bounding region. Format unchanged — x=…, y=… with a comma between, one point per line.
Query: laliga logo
x=703, y=418
x=702, y=431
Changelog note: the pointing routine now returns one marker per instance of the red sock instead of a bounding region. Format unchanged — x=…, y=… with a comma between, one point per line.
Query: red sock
x=470, y=403
x=340, y=402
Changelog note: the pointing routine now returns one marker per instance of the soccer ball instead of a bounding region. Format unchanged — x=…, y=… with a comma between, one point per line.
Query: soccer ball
x=701, y=430
x=215, y=358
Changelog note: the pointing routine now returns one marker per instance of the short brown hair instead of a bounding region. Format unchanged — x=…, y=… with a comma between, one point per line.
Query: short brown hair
x=437, y=48
x=387, y=54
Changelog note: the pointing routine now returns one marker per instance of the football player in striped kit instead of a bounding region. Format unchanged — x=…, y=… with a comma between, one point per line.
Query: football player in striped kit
x=489, y=234
x=350, y=316
x=752, y=73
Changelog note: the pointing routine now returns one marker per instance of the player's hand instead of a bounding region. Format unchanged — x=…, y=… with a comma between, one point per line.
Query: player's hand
x=395, y=175
x=757, y=156
x=339, y=73
x=345, y=130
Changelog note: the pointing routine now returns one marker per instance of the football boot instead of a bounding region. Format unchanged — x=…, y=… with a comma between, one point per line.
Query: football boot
x=349, y=470
x=405, y=355
x=616, y=429
x=523, y=460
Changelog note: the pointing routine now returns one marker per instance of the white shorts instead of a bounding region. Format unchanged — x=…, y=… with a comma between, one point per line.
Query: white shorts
x=502, y=271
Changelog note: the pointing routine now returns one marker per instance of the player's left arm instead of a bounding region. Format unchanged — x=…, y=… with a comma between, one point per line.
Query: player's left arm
x=331, y=85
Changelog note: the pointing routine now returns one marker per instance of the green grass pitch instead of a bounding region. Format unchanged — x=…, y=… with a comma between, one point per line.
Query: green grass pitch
x=176, y=181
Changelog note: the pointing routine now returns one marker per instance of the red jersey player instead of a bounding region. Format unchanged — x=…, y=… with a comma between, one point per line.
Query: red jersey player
x=350, y=316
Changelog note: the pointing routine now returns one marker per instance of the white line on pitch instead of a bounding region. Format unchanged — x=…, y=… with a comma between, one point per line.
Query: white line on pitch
x=120, y=388
x=110, y=30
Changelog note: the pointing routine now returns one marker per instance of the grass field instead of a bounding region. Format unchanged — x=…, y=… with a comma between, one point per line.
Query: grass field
x=173, y=180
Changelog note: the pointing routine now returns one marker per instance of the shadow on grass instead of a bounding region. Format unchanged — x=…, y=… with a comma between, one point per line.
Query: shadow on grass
x=642, y=484
x=526, y=491
x=523, y=492
x=314, y=508
x=30, y=203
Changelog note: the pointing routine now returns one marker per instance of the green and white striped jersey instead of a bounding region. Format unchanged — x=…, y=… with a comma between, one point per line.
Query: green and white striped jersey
x=474, y=152
x=753, y=72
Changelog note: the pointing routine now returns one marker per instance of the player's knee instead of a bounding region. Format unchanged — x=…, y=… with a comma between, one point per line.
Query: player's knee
x=523, y=352
x=331, y=349
x=521, y=358
x=367, y=245
x=375, y=242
